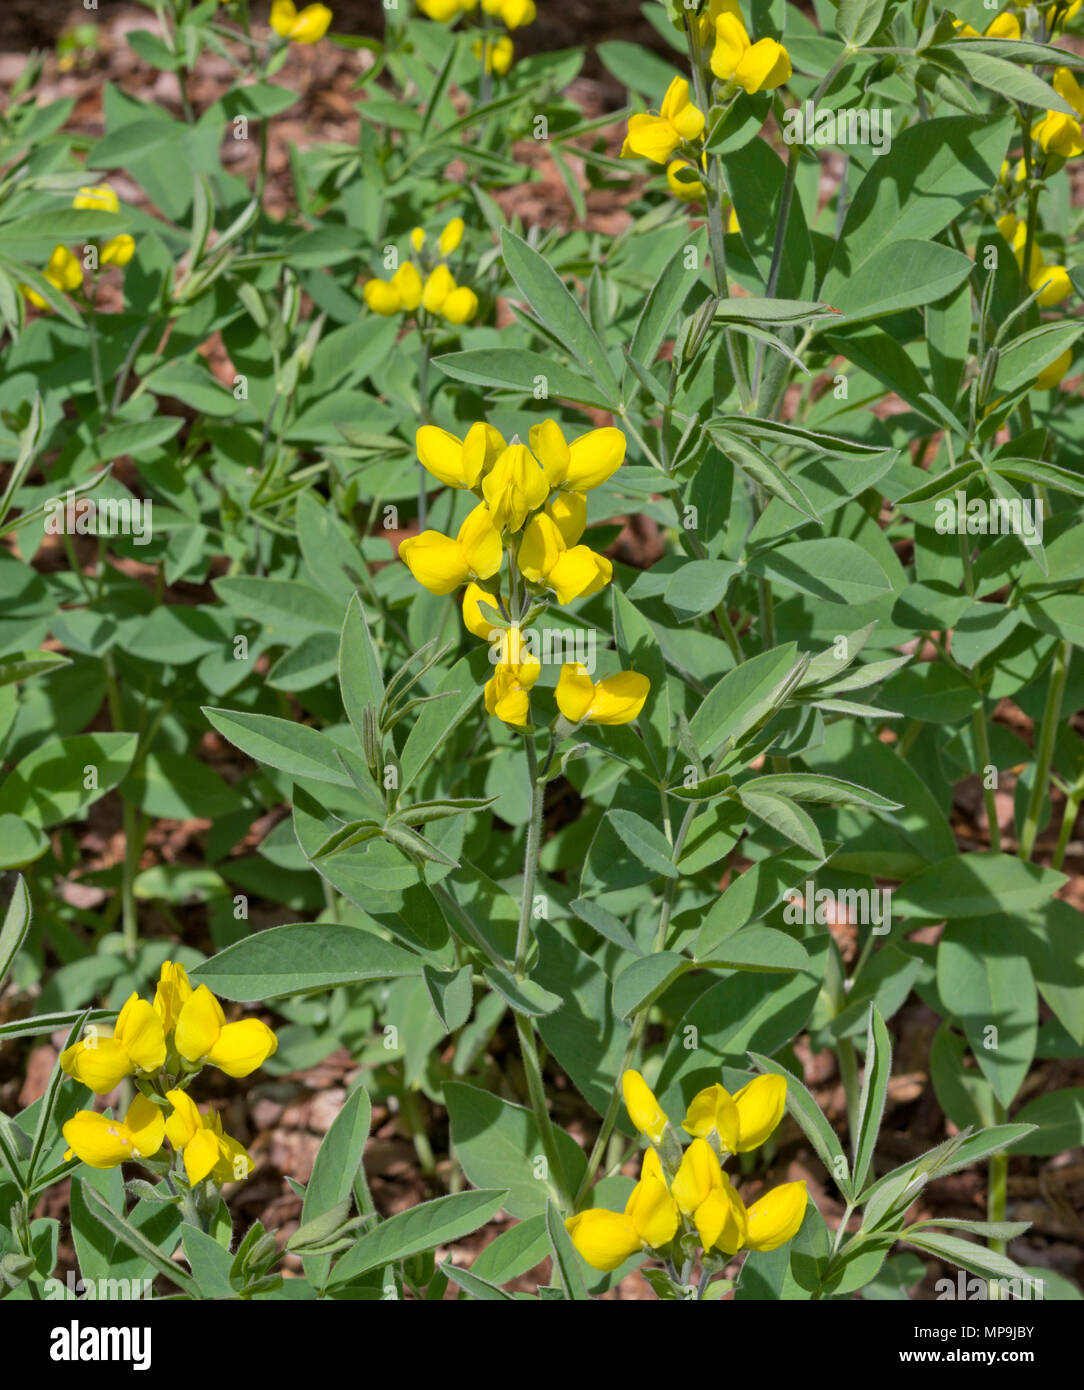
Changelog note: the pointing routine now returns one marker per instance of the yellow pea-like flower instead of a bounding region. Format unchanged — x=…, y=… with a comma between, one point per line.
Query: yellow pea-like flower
x=452, y=236
x=507, y=692
x=657, y=137
x=721, y=1220
x=584, y=464
x=514, y=487
x=757, y=67
x=686, y=190
x=439, y=285
x=305, y=26
x=499, y=53
x=460, y=306
x=199, y=1138
x=171, y=993
x=1057, y=133
x=1055, y=283
x=568, y=512
x=644, y=1110
x=514, y=14
x=650, y=1220
x=202, y=1035
x=459, y=462
x=138, y=1043
x=101, y=1142
x=1052, y=374
x=474, y=620
x=1069, y=89
x=776, y=1217
x=698, y=1176
x=417, y=238
x=63, y=271
x=100, y=198
x=615, y=700
x=118, y=250
x=711, y=1109
x=407, y=284
x=442, y=10
x=441, y=564
x=760, y=1106
x=544, y=558
x=382, y=298
x=1003, y=26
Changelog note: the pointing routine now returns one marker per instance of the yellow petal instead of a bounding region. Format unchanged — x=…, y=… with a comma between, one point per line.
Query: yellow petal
x=480, y=541
x=550, y=449
x=575, y=691
x=451, y=236
x=568, y=512
x=1051, y=375
x=776, y=1217
x=242, y=1047
x=200, y=1022
x=139, y=1031
x=653, y=1212
x=98, y=1062
x=171, y=993
x=765, y=66
x=473, y=618
x=283, y=17
x=417, y=238
x=100, y=198
x=619, y=699
x=593, y=458
x=382, y=298
x=760, y=1107
x=407, y=284
x=605, y=1239
x=438, y=287
x=437, y=562
x=540, y=548
x=97, y=1140
x=118, y=250
x=652, y=138
x=311, y=24
x=578, y=573
x=184, y=1121
x=1056, y=284
x=644, y=1110
x=731, y=46
x=441, y=454
x=1004, y=26
x=713, y=1108
x=698, y=1176
x=1069, y=89
x=460, y=306
x=721, y=1220
x=146, y=1124
x=63, y=270
x=514, y=487
x=201, y=1154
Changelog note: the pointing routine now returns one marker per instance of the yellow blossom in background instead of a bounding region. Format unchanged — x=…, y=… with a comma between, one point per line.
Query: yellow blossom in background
x=417, y=238
x=441, y=564
x=644, y=1110
x=203, y=1036
x=138, y=1043
x=461, y=305
x=571, y=573
x=63, y=272
x=513, y=14
x=102, y=1142
x=1052, y=374
x=507, y=692
x=615, y=700
x=657, y=137
x=305, y=26
x=514, y=486
x=650, y=1220
x=206, y=1150
x=441, y=295
x=445, y=10
x=1055, y=283
x=118, y=250
x=382, y=298
x=1057, y=133
x=687, y=190
x=499, y=53
x=100, y=198
x=1002, y=26
x=450, y=238
x=402, y=293
x=459, y=462
x=757, y=67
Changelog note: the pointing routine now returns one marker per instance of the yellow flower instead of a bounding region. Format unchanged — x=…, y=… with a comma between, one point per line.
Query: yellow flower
x=207, y=1151
x=513, y=487
x=451, y=236
x=499, y=53
x=721, y=1219
x=650, y=1220
x=438, y=286
x=697, y=1178
x=441, y=564
x=307, y=26
x=544, y=558
x=1051, y=375
x=442, y=10
x=101, y=1142
x=1057, y=133
x=711, y=1109
x=460, y=306
x=407, y=284
x=584, y=464
x=417, y=238
x=382, y=298
x=171, y=993
x=459, y=462
x=138, y=1043
x=1055, y=281
x=202, y=1035
x=615, y=700
x=687, y=190
x=758, y=67
x=657, y=137
x=63, y=272
x=1069, y=89
x=474, y=620
x=100, y=198
x=1003, y=26
x=514, y=14
x=118, y=250
x=568, y=512
x=776, y=1217
x=743, y=1121
x=507, y=691
x=732, y=224
x=644, y=1110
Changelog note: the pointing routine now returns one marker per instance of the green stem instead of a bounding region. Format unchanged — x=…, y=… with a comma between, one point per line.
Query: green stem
x=1055, y=694
x=982, y=744
x=997, y=1194
x=423, y=397
x=532, y=1068
x=530, y=858
x=1068, y=820
x=848, y=1070
x=131, y=826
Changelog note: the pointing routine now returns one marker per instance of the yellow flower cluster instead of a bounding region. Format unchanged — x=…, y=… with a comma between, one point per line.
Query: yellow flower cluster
x=437, y=294
x=532, y=499
x=300, y=26
x=1002, y=26
x=63, y=270
x=1058, y=133
x=182, y=1031
x=698, y=1193
x=496, y=50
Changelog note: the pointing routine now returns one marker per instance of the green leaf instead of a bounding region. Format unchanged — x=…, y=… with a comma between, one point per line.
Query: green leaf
x=974, y=886
x=134, y=1240
x=649, y=845
x=832, y=791
x=440, y=1222
x=814, y=1126
x=871, y=1102
x=292, y=748
x=1059, y=1120
x=15, y=927
x=566, y=1261
x=783, y=815
x=334, y=1169
x=531, y=374
x=901, y=275
x=360, y=678
x=300, y=957
x=57, y=780
x=833, y=569
x=1009, y=80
